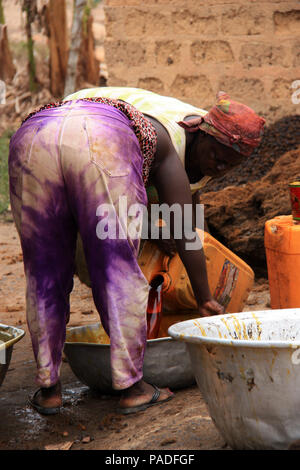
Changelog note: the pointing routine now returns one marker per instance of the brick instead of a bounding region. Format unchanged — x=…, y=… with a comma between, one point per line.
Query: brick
x=192, y=85
x=296, y=54
x=203, y=52
x=243, y=21
x=187, y=3
x=167, y=52
x=118, y=3
x=242, y=88
x=151, y=84
x=128, y=53
x=112, y=22
x=287, y=22
x=141, y=3
x=281, y=89
x=146, y=22
x=191, y=22
x=135, y=23
x=259, y=54
x=114, y=80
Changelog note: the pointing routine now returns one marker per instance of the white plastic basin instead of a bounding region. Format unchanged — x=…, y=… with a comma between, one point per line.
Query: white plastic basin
x=247, y=367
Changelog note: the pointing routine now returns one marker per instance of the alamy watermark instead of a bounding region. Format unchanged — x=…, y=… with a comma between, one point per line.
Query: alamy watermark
x=135, y=221
x=296, y=95
x=2, y=92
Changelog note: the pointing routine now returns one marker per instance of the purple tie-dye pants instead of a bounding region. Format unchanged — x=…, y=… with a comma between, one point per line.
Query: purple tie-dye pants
x=64, y=163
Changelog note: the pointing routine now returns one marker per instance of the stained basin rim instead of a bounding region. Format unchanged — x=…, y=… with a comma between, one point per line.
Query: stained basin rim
x=86, y=343
x=102, y=345
x=250, y=344
x=19, y=335
x=201, y=339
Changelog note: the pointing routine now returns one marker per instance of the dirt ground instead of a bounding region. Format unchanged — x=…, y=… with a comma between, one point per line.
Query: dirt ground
x=89, y=421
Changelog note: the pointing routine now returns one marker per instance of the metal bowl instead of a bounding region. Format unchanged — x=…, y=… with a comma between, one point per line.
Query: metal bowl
x=9, y=335
x=247, y=367
x=166, y=363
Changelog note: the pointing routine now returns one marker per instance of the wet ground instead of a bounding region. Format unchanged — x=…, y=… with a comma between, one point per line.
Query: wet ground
x=88, y=420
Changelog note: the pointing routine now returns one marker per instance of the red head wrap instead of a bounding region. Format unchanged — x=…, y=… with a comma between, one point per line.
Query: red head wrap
x=231, y=123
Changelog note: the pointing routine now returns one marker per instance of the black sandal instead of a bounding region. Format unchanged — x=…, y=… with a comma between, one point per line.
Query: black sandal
x=144, y=406
x=42, y=409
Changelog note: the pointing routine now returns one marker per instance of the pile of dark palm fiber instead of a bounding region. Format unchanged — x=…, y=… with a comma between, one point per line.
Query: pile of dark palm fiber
x=279, y=138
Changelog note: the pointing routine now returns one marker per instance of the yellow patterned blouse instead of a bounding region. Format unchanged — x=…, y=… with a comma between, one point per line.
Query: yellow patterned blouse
x=167, y=110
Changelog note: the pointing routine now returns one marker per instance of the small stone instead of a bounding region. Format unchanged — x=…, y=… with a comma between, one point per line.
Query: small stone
x=167, y=441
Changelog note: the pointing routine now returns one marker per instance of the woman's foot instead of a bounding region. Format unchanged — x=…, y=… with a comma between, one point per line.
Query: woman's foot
x=141, y=395
x=47, y=400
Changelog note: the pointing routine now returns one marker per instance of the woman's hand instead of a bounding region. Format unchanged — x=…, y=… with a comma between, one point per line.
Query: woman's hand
x=210, y=308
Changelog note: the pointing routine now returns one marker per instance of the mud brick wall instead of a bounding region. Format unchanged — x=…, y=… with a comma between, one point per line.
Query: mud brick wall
x=190, y=49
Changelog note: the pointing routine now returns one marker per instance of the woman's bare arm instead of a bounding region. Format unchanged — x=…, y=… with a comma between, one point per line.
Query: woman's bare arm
x=172, y=184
